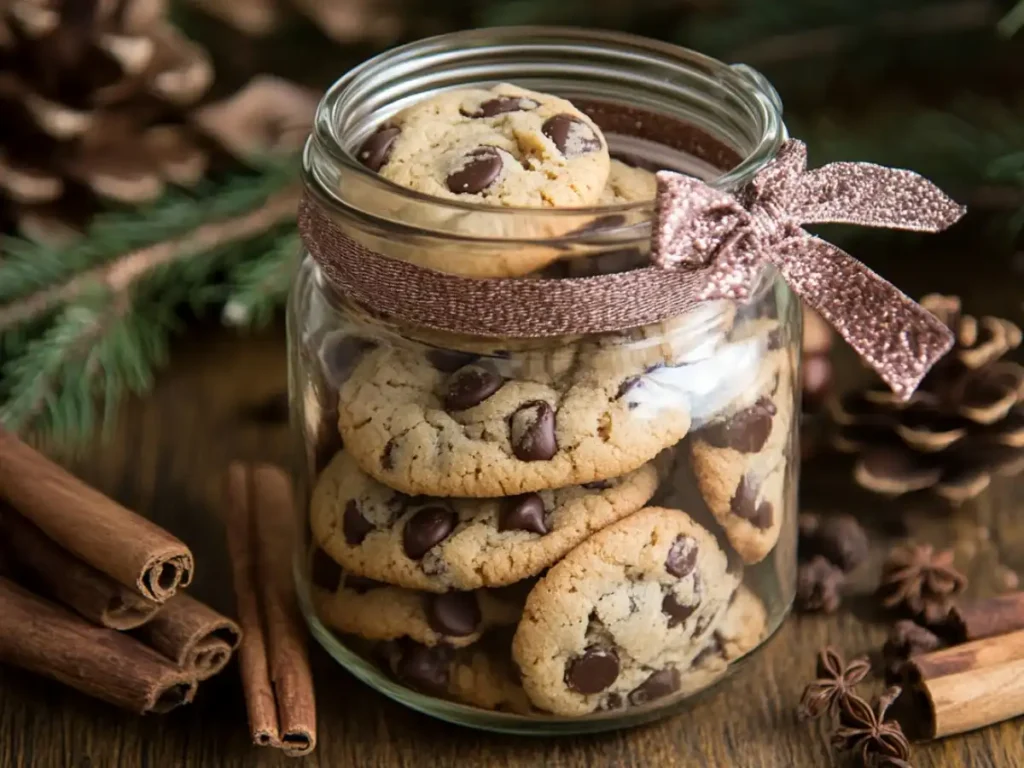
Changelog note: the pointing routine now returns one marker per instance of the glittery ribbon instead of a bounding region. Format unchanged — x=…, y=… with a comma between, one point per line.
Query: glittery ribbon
x=730, y=237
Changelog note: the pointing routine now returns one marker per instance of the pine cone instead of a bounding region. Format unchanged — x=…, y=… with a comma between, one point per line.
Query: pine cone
x=97, y=99
x=345, y=21
x=964, y=424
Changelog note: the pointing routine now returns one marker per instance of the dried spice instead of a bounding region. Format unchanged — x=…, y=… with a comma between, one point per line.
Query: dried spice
x=864, y=730
x=922, y=581
x=964, y=424
x=840, y=539
x=906, y=639
x=834, y=684
x=817, y=586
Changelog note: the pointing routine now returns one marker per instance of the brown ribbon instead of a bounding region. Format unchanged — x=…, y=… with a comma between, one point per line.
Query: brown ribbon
x=706, y=245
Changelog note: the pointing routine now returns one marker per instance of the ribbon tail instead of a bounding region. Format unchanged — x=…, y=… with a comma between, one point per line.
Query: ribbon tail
x=897, y=337
x=872, y=196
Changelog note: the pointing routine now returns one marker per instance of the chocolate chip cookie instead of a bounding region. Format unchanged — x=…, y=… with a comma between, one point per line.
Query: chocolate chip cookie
x=740, y=458
x=378, y=611
x=621, y=617
x=502, y=146
x=627, y=184
x=481, y=675
x=439, y=544
x=493, y=427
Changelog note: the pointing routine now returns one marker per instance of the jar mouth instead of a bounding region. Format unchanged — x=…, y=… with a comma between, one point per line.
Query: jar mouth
x=731, y=104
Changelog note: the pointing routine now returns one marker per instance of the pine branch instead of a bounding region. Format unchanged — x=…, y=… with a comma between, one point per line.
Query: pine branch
x=28, y=267
x=1012, y=22
x=257, y=287
x=120, y=272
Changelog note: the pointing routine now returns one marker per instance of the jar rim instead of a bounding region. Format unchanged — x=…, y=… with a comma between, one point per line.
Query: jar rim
x=328, y=154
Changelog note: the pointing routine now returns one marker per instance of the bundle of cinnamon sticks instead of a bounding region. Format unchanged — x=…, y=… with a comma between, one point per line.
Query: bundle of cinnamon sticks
x=90, y=592
x=977, y=680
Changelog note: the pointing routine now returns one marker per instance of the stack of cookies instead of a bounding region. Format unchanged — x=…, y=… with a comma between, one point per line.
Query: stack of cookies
x=550, y=529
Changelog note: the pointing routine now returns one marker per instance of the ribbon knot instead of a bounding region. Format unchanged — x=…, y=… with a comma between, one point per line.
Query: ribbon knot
x=732, y=237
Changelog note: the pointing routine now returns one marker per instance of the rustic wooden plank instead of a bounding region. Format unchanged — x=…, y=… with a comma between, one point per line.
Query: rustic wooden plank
x=165, y=458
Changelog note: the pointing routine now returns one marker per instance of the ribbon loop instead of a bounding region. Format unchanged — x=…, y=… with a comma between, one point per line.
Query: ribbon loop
x=734, y=236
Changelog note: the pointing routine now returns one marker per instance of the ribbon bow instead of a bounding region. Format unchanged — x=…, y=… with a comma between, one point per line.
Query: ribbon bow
x=731, y=237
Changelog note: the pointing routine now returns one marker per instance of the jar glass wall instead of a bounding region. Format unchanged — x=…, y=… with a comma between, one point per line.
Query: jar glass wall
x=557, y=534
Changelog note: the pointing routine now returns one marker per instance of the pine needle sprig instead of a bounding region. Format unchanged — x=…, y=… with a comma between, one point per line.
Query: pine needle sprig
x=257, y=287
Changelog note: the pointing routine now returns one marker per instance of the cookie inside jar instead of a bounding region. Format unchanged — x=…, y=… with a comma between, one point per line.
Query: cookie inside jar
x=537, y=531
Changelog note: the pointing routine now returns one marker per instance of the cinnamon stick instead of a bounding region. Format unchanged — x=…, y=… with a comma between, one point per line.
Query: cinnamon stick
x=967, y=657
x=57, y=573
x=970, y=699
x=125, y=546
x=46, y=639
x=272, y=656
x=192, y=635
x=986, y=618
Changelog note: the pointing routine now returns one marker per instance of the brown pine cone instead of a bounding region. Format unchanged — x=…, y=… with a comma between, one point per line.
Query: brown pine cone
x=964, y=424
x=97, y=99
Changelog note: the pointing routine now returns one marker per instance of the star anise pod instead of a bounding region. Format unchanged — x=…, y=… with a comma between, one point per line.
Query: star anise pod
x=864, y=730
x=906, y=639
x=922, y=581
x=817, y=585
x=835, y=683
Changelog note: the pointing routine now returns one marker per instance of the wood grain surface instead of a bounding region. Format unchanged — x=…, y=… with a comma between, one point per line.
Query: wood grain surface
x=218, y=402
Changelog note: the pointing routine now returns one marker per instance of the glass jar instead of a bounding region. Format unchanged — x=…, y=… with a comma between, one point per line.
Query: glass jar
x=544, y=535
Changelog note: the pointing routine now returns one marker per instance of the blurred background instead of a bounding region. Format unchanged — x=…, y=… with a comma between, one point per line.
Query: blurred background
x=148, y=167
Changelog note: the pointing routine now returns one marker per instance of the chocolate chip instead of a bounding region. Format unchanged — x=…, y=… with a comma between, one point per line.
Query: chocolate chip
x=626, y=386
x=361, y=584
x=662, y=683
x=612, y=702
x=455, y=614
x=523, y=513
x=387, y=459
x=592, y=672
x=677, y=612
x=480, y=168
x=701, y=626
x=426, y=529
x=376, y=150
x=533, y=432
x=682, y=556
x=450, y=360
x=354, y=525
x=598, y=485
x=745, y=431
x=500, y=105
x=774, y=340
x=744, y=504
x=425, y=668
x=326, y=573
x=471, y=386
x=570, y=135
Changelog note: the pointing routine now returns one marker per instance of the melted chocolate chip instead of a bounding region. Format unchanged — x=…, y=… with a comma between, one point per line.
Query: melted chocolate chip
x=499, y=105
x=662, y=683
x=746, y=431
x=532, y=431
x=376, y=150
x=592, y=672
x=427, y=669
x=682, y=556
x=774, y=340
x=598, y=485
x=744, y=504
x=387, y=459
x=612, y=702
x=677, y=612
x=325, y=573
x=570, y=135
x=471, y=386
x=523, y=513
x=480, y=168
x=354, y=525
x=426, y=529
x=450, y=360
x=455, y=614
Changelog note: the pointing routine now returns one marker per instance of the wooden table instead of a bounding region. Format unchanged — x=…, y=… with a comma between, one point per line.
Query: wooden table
x=164, y=460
